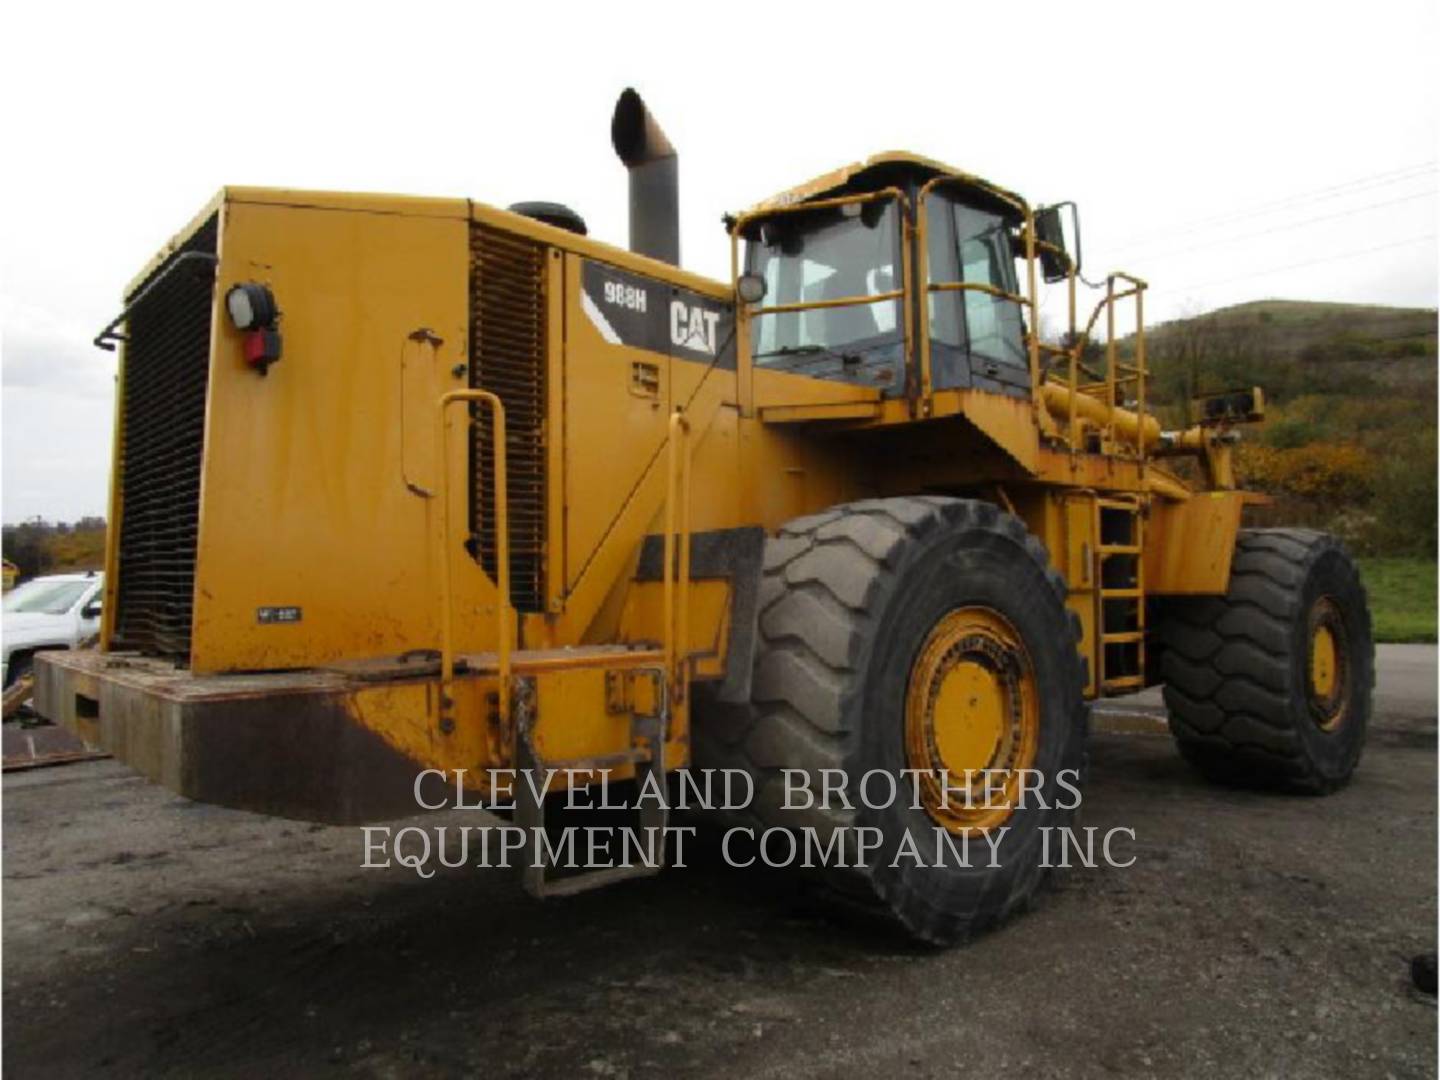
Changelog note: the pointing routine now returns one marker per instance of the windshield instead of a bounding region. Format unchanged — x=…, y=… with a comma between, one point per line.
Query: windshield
x=45, y=597
x=822, y=255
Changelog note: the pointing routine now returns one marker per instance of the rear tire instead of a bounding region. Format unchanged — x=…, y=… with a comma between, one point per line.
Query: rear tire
x=1270, y=685
x=851, y=600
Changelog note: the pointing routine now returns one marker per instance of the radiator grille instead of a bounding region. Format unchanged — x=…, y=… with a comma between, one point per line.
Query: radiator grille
x=167, y=368
x=507, y=357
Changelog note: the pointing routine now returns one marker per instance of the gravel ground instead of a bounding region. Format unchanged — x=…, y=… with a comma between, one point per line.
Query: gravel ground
x=1255, y=936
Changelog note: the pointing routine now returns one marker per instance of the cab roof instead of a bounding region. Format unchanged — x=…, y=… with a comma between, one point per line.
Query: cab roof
x=872, y=173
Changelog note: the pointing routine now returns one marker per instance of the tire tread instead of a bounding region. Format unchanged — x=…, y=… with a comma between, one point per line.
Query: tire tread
x=1228, y=670
x=820, y=574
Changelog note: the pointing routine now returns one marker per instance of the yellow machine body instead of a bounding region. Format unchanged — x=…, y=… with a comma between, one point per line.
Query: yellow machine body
x=347, y=625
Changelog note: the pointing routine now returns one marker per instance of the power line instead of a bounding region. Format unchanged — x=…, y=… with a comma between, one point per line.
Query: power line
x=1352, y=187
x=1289, y=225
x=1054, y=298
x=1300, y=265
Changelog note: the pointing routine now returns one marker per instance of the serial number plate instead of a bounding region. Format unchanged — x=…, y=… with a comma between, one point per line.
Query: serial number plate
x=277, y=614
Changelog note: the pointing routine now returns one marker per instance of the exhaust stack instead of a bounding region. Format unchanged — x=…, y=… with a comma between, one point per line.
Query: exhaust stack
x=654, y=179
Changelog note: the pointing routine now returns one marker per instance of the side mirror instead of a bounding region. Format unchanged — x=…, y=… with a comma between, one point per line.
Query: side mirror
x=751, y=288
x=91, y=610
x=1055, y=259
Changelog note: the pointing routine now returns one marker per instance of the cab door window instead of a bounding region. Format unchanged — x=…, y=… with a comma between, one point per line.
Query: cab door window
x=976, y=339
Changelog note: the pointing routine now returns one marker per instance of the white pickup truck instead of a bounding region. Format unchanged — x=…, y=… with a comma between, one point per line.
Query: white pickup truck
x=54, y=612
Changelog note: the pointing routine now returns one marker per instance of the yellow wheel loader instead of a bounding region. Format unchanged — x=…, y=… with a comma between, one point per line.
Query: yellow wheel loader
x=411, y=489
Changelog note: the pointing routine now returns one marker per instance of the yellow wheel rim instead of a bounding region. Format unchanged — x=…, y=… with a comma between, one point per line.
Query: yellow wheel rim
x=1328, y=688
x=1322, y=662
x=972, y=719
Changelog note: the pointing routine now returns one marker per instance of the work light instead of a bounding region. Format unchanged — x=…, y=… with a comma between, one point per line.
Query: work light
x=251, y=305
x=751, y=288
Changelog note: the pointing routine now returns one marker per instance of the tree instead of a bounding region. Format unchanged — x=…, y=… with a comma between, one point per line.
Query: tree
x=39, y=547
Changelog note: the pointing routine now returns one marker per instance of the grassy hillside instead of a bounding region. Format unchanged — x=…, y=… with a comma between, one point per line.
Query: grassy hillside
x=1302, y=323
x=1349, y=443
x=1402, y=598
x=1296, y=349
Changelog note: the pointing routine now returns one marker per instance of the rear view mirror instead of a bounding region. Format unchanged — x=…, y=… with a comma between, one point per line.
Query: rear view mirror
x=91, y=610
x=1055, y=261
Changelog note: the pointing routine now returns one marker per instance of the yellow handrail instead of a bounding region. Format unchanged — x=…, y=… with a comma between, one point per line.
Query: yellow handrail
x=815, y=305
x=677, y=609
x=503, y=619
x=1117, y=375
x=981, y=287
x=676, y=603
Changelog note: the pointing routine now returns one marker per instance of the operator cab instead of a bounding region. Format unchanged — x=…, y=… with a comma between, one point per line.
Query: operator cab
x=836, y=279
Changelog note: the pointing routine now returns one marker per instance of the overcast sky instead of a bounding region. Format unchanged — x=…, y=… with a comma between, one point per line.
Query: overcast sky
x=1225, y=151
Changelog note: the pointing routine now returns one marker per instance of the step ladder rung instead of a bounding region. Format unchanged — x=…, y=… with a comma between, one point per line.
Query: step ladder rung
x=1125, y=682
x=601, y=763
x=1119, y=528
x=650, y=732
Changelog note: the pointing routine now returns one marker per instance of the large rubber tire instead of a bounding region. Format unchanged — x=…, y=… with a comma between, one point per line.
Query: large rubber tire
x=847, y=598
x=1237, y=667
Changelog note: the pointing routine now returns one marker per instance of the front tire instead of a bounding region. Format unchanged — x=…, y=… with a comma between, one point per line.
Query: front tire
x=1270, y=685
x=899, y=634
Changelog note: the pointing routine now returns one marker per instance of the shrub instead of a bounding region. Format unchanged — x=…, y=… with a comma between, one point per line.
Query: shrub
x=1329, y=473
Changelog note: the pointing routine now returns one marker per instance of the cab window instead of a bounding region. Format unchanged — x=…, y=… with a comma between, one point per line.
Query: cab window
x=830, y=254
x=976, y=339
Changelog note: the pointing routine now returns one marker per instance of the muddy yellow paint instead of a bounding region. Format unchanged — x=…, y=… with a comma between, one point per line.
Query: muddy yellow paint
x=970, y=715
x=1191, y=544
x=304, y=494
x=972, y=719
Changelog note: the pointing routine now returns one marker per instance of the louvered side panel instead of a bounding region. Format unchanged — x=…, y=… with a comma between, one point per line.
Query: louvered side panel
x=507, y=357
x=167, y=371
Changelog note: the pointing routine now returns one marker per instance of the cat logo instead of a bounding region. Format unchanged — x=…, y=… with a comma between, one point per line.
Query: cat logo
x=693, y=327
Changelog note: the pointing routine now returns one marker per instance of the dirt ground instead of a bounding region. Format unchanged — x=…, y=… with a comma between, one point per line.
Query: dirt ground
x=1256, y=935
